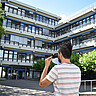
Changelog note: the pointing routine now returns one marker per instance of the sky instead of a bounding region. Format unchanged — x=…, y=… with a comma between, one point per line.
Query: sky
x=63, y=8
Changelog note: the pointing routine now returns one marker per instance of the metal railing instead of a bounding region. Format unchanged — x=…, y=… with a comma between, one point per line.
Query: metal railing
x=25, y=45
x=88, y=86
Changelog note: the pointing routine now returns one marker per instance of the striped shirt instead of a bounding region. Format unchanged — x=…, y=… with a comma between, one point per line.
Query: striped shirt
x=66, y=79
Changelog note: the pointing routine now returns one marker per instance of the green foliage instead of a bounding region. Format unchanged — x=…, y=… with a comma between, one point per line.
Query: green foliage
x=2, y=13
x=74, y=58
x=39, y=65
x=88, y=61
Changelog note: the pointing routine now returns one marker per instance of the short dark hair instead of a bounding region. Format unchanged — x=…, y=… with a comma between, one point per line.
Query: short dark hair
x=66, y=49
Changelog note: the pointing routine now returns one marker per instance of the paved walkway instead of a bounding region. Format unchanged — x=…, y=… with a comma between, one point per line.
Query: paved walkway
x=24, y=88
x=31, y=88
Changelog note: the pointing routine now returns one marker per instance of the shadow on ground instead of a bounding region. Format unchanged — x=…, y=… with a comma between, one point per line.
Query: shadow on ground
x=24, y=88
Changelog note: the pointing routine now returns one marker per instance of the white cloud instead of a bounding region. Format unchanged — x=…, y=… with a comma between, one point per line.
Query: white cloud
x=63, y=16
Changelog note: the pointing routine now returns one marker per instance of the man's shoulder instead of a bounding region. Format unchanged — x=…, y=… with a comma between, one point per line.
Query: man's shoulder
x=76, y=67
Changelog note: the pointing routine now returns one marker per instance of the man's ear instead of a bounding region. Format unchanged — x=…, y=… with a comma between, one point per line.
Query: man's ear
x=61, y=54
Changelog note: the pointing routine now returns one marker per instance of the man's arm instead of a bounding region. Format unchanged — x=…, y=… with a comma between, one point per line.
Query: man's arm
x=43, y=80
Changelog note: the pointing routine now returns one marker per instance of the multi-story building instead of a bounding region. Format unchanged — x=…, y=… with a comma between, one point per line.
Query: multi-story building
x=34, y=34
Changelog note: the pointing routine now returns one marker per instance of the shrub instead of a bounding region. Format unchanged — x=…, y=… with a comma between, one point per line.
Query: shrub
x=39, y=65
x=88, y=61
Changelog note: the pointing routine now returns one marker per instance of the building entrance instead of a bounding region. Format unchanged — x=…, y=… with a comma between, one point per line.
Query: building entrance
x=16, y=74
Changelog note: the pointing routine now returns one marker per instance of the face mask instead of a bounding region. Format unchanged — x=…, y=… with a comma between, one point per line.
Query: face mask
x=56, y=61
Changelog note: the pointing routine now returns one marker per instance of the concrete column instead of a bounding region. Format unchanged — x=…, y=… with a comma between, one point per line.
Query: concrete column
x=2, y=72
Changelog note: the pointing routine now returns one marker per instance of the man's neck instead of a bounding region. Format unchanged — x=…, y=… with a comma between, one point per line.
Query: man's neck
x=65, y=61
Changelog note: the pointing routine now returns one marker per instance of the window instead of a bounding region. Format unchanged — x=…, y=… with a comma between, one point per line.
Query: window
x=4, y=22
x=58, y=33
x=49, y=21
x=41, y=18
x=84, y=21
x=27, y=58
x=11, y=10
x=50, y=33
x=73, y=41
x=53, y=47
x=46, y=32
x=88, y=21
x=21, y=26
x=19, y=11
x=15, y=56
x=19, y=57
x=23, y=57
x=27, y=13
x=9, y=23
x=40, y=31
x=38, y=43
x=31, y=15
x=37, y=17
x=92, y=20
x=29, y=28
x=23, y=12
x=43, y=44
x=17, y=25
x=44, y=19
x=13, y=24
x=6, y=8
x=10, y=55
x=33, y=29
x=1, y=54
x=15, y=11
x=52, y=22
x=37, y=30
x=56, y=22
x=6, y=55
x=25, y=27
x=49, y=45
x=7, y=37
x=34, y=16
x=53, y=34
x=28, y=42
x=58, y=46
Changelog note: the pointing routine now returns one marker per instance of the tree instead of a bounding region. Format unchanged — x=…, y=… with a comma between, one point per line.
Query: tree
x=2, y=12
x=88, y=61
x=39, y=65
x=88, y=65
x=75, y=59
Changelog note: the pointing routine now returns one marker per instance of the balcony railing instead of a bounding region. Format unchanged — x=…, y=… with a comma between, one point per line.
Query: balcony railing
x=29, y=19
x=10, y=62
x=6, y=43
x=85, y=43
x=28, y=33
x=78, y=29
x=88, y=86
x=74, y=30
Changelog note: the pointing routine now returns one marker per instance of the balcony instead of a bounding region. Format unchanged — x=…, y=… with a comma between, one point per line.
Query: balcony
x=85, y=43
x=21, y=32
x=5, y=62
x=75, y=30
x=29, y=20
x=17, y=45
x=78, y=29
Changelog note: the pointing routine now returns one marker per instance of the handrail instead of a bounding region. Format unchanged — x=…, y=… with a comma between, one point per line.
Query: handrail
x=91, y=83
